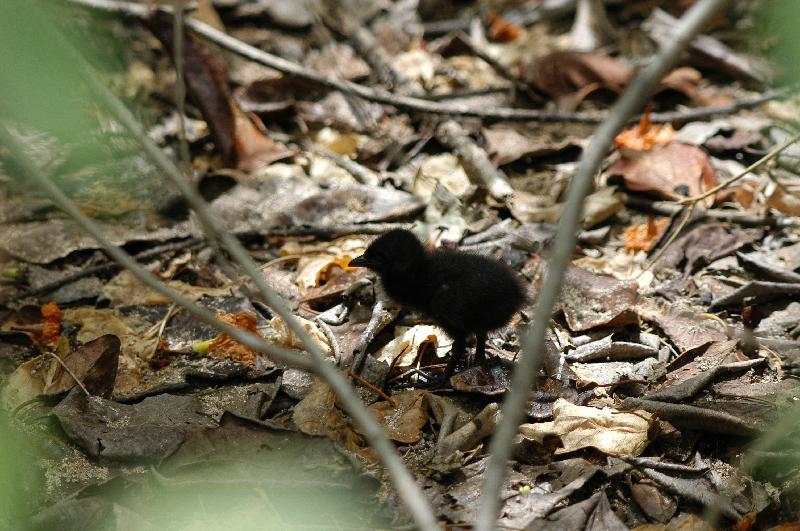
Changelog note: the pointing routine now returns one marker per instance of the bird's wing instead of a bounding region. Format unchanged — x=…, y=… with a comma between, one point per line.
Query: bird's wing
x=448, y=308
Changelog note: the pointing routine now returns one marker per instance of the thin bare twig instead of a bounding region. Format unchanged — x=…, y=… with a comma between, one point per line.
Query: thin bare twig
x=671, y=239
x=361, y=173
x=378, y=391
x=161, y=327
x=702, y=113
x=519, y=84
x=634, y=98
x=108, y=266
x=451, y=134
x=733, y=216
x=180, y=86
x=69, y=371
x=370, y=49
x=333, y=232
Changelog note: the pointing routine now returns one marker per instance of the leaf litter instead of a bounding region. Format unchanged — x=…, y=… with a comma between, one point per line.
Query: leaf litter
x=623, y=432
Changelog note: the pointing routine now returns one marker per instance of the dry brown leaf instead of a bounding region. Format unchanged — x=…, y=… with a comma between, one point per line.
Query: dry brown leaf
x=564, y=73
x=93, y=323
x=93, y=363
x=601, y=205
x=409, y=343
x=283, y=335
x=687, y=329
x=25, y=383
x=570, y=76
x=643, y=237
x=785, y=202
x=646, y=136
x=500, y=30
x=590, y=300
x=206, y=76
x=317, y=415
x=613, y=432
x=224, y=346
x=52, y=323
x=125, y=289
x=745, y=193
x=507, y=144
x=688, y=81
x=445, y=170
x=316, y=270
x=403, y=421
x=531, y=208
x=672, y=171
x=693, y=362
x=254, y=149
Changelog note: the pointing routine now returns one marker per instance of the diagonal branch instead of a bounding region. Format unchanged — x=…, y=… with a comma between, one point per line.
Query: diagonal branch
x=634, y=98
x=63, y=202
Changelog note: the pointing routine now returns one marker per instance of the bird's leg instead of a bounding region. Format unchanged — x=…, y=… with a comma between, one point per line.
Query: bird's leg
x=456, y=354
x=480, y=347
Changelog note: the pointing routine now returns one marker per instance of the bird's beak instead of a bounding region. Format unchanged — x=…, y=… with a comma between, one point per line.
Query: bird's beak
x=359, y=261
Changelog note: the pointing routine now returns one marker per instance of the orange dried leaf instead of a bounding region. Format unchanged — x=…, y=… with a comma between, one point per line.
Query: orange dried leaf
x=224, y=346
x=643, y=237
x=745, y=193
x=784, y=201
x=645, y=136
x=500, y=30
x=52, y=323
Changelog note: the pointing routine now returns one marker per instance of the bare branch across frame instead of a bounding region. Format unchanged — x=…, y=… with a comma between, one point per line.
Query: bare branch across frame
x=415, y=104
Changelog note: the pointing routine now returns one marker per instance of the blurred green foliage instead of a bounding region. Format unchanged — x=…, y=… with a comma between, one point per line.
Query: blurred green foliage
x=40, y=85
x=779, y=20
x=20, y=484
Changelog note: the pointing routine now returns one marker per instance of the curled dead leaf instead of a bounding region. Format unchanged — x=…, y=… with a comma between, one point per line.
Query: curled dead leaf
x=206, y=76
x=52, y=323
x=283, y=335
x=562, y=74
x=784, y=202
x=644, y=236
x=590, y=300
x=644, y=137
x=93, y=363
x=613, y=432
x=403, y=420
x=672, y=171
x=500, y=30
x=409, y=343
x=315, y=268
x=224, y=346
x=317, y=415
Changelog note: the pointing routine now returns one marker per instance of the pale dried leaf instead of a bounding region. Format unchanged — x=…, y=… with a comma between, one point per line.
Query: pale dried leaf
x=613, y=432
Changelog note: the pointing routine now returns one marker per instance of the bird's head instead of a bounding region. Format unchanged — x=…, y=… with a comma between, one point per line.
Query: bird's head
x=396, y=253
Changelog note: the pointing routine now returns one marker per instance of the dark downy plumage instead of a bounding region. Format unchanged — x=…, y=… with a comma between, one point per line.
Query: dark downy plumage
x=463, y=293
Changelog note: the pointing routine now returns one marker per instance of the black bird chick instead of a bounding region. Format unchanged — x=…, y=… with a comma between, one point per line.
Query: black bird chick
x=463, y=293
